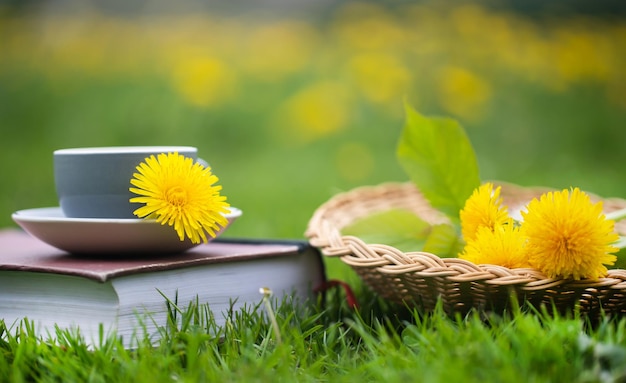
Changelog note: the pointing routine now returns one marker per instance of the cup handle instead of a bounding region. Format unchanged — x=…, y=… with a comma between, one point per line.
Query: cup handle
x=203, y=162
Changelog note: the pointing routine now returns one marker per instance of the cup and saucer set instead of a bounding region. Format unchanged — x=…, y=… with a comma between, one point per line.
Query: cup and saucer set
x=95, y=215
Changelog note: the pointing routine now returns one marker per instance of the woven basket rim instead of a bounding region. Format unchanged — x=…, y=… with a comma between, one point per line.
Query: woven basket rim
x=380, y=262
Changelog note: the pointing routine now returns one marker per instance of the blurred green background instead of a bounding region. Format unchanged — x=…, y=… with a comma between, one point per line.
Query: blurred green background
x=293, y=102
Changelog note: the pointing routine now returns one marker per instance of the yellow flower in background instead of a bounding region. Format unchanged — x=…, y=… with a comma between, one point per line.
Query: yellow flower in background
x=568, y=236
x=275, y=51
x=463, y=92
x=204, y=81
x=181, y=193
x=503, y=245
x=317, y=111
x=367, y=26
x=483, y=208
x=380, y=77
x=581, y=55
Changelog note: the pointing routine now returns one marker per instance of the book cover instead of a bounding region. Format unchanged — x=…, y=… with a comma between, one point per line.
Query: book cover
x=53, y=288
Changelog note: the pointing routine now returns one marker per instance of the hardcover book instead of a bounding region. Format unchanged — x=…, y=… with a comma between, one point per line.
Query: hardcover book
x=127, y=294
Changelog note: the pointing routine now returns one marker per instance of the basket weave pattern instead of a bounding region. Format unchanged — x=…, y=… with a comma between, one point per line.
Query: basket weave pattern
x=422, y=278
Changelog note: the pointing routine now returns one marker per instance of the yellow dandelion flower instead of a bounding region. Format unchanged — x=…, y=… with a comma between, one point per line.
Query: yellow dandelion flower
x=483, y=208
x=568, y=236
x=503, y=245
x=181, y=193
x=464, y=93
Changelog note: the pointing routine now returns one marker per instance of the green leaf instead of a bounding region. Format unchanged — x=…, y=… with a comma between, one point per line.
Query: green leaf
x=443, y=241
x=439, y=158
x=399, y=228
x=620, y=262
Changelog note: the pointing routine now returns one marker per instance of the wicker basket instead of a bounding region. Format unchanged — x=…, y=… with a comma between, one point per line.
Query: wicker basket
x=422, y=279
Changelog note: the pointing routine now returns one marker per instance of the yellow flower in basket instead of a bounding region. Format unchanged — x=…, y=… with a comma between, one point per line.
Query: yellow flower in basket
x=501, y=245
x=562, y=235
x=484, y=208
x=568, y=236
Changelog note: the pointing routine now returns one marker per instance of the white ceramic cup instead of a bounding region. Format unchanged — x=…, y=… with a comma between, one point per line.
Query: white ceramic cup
x=94, y=182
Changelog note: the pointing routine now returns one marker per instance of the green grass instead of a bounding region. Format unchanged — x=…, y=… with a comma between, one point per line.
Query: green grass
x=379, y=342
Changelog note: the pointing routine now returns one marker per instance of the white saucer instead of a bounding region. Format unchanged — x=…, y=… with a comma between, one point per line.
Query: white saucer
x=104, y=236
